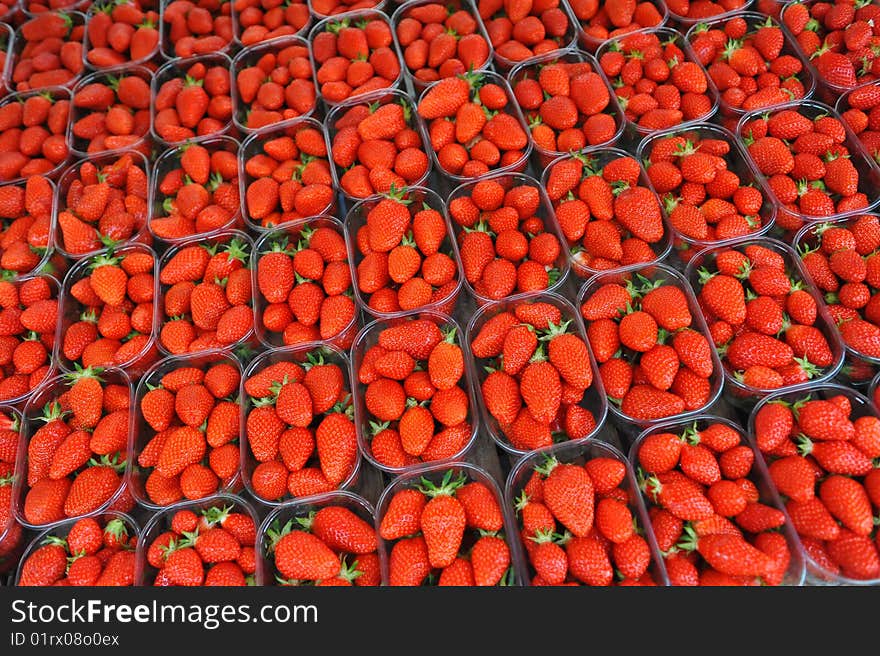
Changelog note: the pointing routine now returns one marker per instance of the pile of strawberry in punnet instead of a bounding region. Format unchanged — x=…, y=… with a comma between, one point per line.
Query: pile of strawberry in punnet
x=467, y=293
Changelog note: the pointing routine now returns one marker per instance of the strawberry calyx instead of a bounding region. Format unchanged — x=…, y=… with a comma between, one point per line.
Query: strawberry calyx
x=190, y=81
x=618, y=187
x=349, y=572
x=447, y=487
x=344, y=407
x=398, y=195
x=105, y=259
x=88, y=372
x=116, y=529
x=554, y=330
x=805, y=444
x=275, y=532
x=89, y=315
x=335, y=27
x=280, y=246
x=689, y=540
x=313, y=359
x=51, y=412
x=376, y=428
x=480, y=226
x=236, y=249
x=7, y=479
x=216, y=515
x=307, y=521
x=214, y=181
x=549, y=464
x=56, y=540
x=107, y=461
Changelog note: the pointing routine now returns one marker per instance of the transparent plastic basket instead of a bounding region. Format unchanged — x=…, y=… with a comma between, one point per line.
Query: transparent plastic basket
x=297, y=354
x=300, y=509
x=161, y=522
x=737, y=392
x=357, y=219
x=579, y=453
x=143, y=432
x=434, y=473
x=530, y=68
x=31, y=421
x=657, y=273
x=593, y=400
x=70, y=310
x=368, y=337
x=794, y=575
x=291, y=231
x=737, y=161
x=861, y=407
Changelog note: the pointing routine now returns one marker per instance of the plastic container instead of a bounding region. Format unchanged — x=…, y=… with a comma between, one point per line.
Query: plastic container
x=368, y=337
x=376, y=98
x=357, y=217
x=161, y=522
x=403, y=11
x=55, y=294
x=19, y=43
x=545, y=213
x=291, y=232
x=872, y=393
x=177, y=68
x=169, y=161
x=213, y=240
x=50, y=262
x=298, y=354
x=794, y=575
x=434, y=473
x=253, y=145
x=684, y=23
x=502, y=64
x=31, y=422
x=770, y=7
x=55, y=94
x=167, y=45
x=353, y=17
x=869, y=172
x=448, y=181
x=62, y=529
x=379, y=6
x=753, y=22
x=826, y=92
x=530, y=69
x=248, y=58
x=594, y=398
x=7, y=46
x=591, y=43
x=579, y=453
x=659, y=273
x=143, y=432
x=11, y=534
x=737, y=161
x=31, y=8
x=91, y=8
x=71, y=173
x=858, y=368
x=300, y=509
x=70, y=310
x=239, y=29
x=666, y=35
x=842, y=104
x=80, y=147
x=737, y=392
x=598, y=159
x=861, y=406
